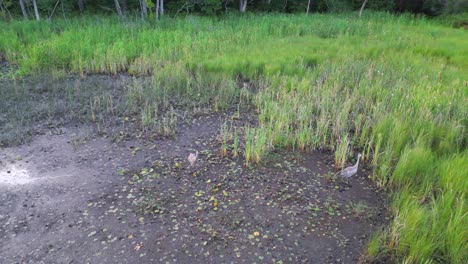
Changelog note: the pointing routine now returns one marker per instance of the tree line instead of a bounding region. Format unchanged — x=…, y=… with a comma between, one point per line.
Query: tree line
x=40, y=9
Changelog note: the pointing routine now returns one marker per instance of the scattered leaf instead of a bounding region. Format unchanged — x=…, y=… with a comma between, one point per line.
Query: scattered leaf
x=138, y=246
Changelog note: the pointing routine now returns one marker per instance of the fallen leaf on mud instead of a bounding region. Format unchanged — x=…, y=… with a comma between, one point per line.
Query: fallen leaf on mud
x=134, y=152
x=256, y=233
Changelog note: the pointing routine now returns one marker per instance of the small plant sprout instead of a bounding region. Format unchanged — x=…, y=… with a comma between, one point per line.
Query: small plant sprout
x=235, y=145
x=248, y=145
x=360, y=209
x=224, y=136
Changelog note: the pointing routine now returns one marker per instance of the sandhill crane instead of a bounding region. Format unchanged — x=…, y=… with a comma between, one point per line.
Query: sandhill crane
x=192, y=158
x=351, y=170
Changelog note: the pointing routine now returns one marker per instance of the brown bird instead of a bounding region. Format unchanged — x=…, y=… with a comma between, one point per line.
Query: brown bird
x=192, y=158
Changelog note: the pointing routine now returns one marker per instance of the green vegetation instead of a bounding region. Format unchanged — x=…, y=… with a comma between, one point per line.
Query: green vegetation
x=391, y=87
x=26, y=9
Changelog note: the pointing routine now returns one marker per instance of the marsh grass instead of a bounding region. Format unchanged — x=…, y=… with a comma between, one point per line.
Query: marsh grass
x=144, y=106
x=391, y=87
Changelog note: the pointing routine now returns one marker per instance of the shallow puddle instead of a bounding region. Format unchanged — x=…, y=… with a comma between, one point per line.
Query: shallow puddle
x=14, y=175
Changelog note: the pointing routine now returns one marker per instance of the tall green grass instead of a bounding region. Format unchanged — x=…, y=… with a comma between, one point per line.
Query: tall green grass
x=391, y=87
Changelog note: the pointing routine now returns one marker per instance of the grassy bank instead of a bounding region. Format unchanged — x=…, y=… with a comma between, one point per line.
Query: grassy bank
x=391, y=87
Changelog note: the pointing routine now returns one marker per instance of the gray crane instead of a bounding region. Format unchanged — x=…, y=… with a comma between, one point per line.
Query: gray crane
x=192, y=158
x=351, y=170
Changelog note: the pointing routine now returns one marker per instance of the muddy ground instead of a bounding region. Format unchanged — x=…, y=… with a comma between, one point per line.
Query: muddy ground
x=74, y=197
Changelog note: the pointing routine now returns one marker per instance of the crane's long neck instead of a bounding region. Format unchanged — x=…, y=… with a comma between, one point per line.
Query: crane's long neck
x=357, y=162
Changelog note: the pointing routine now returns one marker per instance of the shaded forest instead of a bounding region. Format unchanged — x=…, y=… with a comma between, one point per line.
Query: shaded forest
x=40, y=9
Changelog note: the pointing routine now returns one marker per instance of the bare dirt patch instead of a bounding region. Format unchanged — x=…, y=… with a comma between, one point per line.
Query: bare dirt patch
x=90, y=199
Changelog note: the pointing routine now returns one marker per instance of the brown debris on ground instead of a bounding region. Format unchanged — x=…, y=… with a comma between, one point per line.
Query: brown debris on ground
x=76, y=198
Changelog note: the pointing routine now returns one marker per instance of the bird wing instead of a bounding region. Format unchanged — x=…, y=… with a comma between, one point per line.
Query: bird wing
x=347, y=172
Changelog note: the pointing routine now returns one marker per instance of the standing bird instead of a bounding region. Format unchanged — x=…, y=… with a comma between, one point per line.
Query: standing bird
x=351, y=170
x=192, y=158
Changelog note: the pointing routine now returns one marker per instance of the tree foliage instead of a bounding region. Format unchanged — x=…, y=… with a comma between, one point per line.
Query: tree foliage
x=47, y=8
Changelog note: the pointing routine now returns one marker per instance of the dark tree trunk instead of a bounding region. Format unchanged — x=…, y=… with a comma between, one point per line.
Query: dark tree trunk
x=144, y=9
x=117, y=7
x=156, y=10
x=4, y=8
x=81, y=5
x=124, y=7
x=23, y=9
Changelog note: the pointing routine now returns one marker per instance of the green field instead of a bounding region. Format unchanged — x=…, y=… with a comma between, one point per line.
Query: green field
x=394, y=88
